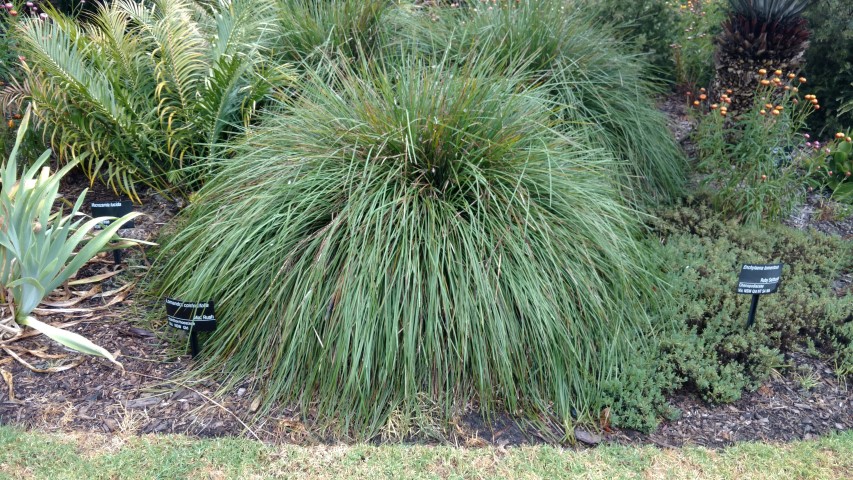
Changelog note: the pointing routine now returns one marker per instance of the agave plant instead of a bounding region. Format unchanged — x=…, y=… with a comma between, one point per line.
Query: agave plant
x=39, y=247
x=145, y=87
x=758, y=34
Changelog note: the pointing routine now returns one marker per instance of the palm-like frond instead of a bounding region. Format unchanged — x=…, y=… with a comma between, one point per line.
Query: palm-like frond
x=781, y=11
x=147, y=86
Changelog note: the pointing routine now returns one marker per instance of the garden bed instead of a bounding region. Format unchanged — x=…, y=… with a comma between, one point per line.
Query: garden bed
x=94, y=396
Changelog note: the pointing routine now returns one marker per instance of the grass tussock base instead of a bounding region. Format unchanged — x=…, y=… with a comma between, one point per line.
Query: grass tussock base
x=414, y=235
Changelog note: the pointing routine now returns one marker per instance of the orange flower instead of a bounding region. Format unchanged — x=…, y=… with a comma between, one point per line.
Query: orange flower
x=714, y=106
x=802, y=79
x=729, y=91
x=778, y=73
x=696, y=103
x=775, y=112
x=762, y=72
x=791, y=76
x=839, y=135
x=703, y=97
x=768, y=105
x=11, y=124
x=765, y=82
x=763, y=112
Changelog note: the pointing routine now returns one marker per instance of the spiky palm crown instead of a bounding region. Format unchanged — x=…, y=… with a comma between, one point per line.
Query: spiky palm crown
x=765, y=28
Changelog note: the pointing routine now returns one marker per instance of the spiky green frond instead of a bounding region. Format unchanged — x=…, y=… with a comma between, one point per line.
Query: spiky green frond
x=146, y=87
x=781, y=11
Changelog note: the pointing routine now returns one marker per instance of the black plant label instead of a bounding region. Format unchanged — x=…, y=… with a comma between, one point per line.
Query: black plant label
x=195, y=316
x=759, y=279
x=116, y=209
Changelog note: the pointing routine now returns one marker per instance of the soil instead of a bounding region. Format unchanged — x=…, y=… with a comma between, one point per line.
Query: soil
x=92, y=395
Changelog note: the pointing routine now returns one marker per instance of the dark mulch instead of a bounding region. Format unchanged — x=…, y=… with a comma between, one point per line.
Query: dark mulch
x=148, y=397
x=800, y=403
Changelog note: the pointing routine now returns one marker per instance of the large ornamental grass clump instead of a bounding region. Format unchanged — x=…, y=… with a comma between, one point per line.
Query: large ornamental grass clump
x=409, y=236
x=591, y=73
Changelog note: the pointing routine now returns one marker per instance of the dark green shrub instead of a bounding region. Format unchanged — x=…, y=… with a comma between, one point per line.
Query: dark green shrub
x=415, y=234
x=829, y=63
x=709, y=350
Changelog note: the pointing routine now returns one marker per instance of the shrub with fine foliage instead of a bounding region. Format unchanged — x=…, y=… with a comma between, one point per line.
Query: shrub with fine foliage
x=710, y=350
x=415, y=234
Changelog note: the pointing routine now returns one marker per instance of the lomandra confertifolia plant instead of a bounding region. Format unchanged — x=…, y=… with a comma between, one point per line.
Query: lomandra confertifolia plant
x=145, y=88
x=39, y=247
x=587, y=70
x=406, y=237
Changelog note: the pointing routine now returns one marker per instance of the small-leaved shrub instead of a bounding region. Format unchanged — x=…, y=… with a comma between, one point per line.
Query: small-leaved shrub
x=708, y=349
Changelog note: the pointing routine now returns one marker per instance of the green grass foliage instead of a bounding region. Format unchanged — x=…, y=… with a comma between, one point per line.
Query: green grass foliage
x=710, y=350
x=409, y=235
x=590, y=73
x=145, y=88
x=315, y=29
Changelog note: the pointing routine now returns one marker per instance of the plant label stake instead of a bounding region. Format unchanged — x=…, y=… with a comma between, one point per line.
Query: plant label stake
x=113, y=209
x=757, y=280
x=192, y=317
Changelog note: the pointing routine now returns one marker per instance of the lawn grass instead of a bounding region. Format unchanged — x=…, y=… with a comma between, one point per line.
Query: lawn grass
x=80, y=456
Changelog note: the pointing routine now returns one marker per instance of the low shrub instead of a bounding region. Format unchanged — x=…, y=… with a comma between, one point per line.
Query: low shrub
x=709, y=350
x=410, y=235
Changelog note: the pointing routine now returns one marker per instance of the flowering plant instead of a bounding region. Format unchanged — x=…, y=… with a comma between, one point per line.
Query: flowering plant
x=753, y=168
x=831, y=165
